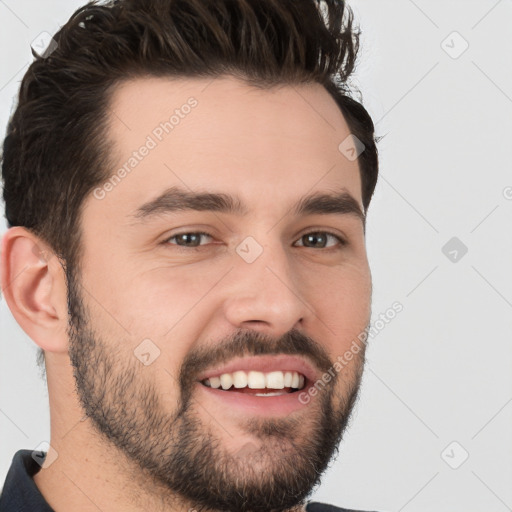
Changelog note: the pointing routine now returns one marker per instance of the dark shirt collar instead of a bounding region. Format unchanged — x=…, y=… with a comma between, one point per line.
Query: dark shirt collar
x=20, y=493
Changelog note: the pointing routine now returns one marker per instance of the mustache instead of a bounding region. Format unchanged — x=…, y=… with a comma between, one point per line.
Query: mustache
x=245, y=342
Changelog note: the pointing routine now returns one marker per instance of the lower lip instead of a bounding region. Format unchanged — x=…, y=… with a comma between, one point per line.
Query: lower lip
x=280, y=405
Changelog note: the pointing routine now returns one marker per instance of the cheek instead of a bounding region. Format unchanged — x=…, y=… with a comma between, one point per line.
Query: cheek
x=170, y=308
x=341, y=299
x=151, y=302
x=150, y=321
x=351, y=295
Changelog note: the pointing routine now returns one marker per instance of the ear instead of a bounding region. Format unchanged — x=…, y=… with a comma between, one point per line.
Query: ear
x=34, y=286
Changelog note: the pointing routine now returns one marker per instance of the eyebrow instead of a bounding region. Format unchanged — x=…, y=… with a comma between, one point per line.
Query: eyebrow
x=175, y=199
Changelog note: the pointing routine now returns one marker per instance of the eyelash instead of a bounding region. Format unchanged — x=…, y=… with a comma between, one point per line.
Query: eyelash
x=341, y=241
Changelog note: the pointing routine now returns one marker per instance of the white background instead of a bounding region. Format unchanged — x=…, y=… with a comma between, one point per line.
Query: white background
x=441, y=371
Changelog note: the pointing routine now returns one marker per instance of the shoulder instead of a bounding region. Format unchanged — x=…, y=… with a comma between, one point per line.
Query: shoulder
x=315, y=506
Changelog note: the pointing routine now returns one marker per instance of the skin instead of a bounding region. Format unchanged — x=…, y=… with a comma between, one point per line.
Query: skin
x=269, y=147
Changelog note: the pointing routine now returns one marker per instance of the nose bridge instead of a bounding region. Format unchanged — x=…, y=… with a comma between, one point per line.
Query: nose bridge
x=264, y=289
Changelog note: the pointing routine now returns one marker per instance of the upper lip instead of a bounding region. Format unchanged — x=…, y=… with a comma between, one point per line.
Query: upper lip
x=265, y=364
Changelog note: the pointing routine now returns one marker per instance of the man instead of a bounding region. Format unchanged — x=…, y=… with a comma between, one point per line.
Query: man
x=186, y=184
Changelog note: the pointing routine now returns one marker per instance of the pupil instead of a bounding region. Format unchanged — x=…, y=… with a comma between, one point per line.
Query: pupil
x=190, y=237
x=314, y=237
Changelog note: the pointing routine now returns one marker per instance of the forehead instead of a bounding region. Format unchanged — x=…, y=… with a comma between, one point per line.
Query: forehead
x=222, y=134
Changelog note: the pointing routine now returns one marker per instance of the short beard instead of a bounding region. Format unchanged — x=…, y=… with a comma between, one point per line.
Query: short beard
x=178, y=453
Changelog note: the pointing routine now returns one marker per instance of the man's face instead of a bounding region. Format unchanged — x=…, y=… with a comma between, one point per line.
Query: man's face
x=269, y=289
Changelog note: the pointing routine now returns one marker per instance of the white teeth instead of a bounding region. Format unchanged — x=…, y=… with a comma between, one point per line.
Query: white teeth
x=257, y=380
x=275, y=380
x=239, y=379
x=215, y=382
x=226, y=380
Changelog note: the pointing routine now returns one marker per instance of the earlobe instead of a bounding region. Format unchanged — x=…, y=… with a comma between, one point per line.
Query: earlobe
x=34, y=287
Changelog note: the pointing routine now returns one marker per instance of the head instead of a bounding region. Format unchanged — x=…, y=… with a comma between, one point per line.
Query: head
x=180, y=198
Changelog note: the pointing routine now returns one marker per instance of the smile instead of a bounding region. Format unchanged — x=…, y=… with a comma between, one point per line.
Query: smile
x=274, y=383
x=264, y=385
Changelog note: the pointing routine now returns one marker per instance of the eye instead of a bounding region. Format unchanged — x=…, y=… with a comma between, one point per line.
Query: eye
x=319, y=239
x=190, y=239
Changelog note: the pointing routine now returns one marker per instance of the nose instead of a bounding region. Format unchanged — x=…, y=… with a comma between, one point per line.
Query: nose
x=265, y=295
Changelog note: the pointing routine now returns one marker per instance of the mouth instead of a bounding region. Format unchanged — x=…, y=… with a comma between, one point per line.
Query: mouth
x=263, y=385
x=257, y=383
